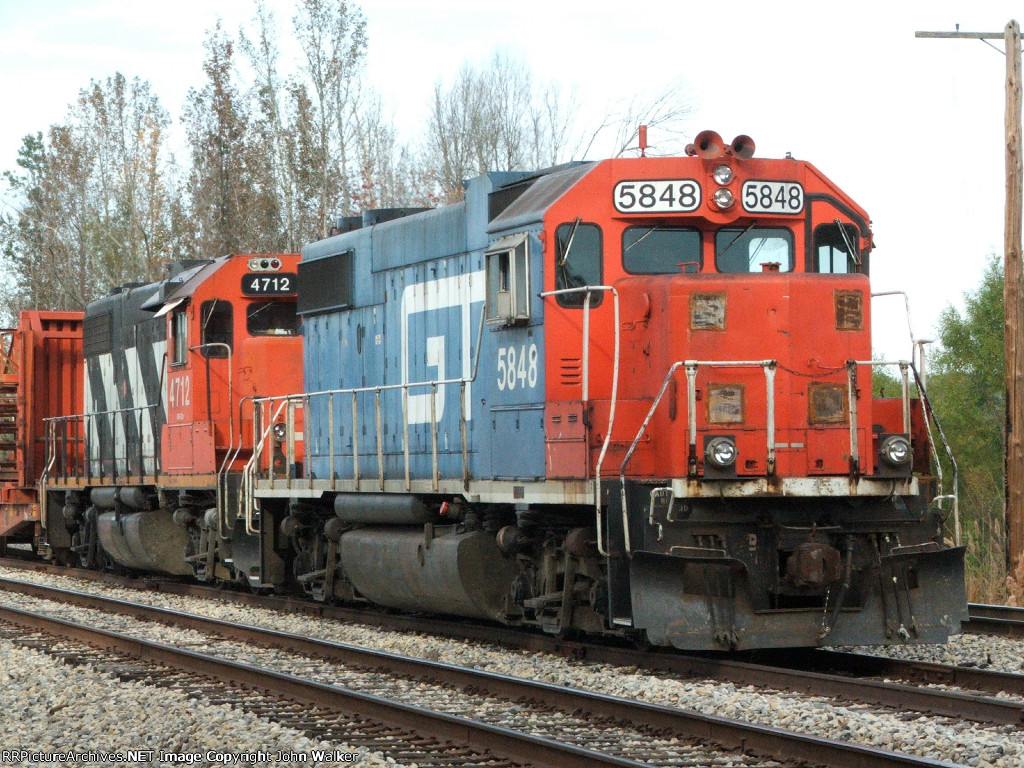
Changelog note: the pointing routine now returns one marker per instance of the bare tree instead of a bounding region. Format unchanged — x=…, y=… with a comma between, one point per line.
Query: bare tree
x=390, y=175
x=451, y=134
x=271, y=119
x=333, y=38
x=122, y=128
x=553, y=138
x=668, y=111
x=494, y=119
x=333, y=149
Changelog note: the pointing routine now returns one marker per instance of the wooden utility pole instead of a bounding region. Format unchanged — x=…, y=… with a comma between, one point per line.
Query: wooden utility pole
x=1013, y=293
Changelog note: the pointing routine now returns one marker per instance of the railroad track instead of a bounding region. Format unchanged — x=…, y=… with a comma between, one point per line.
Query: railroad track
x=600, y=725
x=817, y=672
x=984, y=619
x=1003, y=620
x=316, y=710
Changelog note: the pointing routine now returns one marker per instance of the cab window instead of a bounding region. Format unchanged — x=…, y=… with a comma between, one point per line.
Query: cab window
x=216, y=319
x=179, y=332
x=272, y=318
x=750, y=249
x=837, y=249
x=578, y=262
x=660, y=250
x=508, y=281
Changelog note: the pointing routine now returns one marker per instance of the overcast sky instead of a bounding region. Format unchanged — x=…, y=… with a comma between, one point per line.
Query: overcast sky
x=912, y=129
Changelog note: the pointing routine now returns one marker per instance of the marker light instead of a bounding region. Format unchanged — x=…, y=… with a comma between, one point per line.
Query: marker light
x=723, y=198
x=722, y=174
x=721, y=452
x=280, y=431
x=264, y=264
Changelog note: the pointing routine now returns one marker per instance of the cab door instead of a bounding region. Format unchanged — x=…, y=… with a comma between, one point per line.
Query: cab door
x=188, y=440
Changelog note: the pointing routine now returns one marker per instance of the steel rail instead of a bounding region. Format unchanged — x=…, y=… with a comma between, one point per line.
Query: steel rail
x=951, y=704
x=777, y=669
x=505, y=742
x=728, y=733
x=765, y=672
x=811, y=673
x=1006, y=620
x=975, y=679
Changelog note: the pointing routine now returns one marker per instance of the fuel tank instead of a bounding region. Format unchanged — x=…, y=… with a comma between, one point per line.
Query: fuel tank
x=463, y=574
x=145, y=541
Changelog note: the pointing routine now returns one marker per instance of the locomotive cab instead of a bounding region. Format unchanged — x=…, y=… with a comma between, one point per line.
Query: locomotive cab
x=225, y=346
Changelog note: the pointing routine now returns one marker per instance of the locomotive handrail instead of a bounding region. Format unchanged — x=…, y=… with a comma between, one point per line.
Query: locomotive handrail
x=51, y=459
x=288, y=404
x=929, y=414
x=250, y=470
x=222, y=470
x=85, y=419
x=917, y=348
x=955, y=495
x=851, y=367
x=691, y=399
x=588, y=289
x=248, y=491
x=230, y=459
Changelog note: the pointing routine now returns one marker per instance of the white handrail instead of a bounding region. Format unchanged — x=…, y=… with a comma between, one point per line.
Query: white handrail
x=691, y=399
x=588, y=289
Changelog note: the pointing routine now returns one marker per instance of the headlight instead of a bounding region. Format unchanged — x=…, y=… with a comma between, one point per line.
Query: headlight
x=721, y=452
x=280, y=430
x=722, y=174
x=723, y=198
x=895, y=450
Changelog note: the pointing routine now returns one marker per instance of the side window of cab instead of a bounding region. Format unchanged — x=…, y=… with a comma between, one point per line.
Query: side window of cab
x=179, y=337
x=837, y=249
x=578, y=262
x=216, y=319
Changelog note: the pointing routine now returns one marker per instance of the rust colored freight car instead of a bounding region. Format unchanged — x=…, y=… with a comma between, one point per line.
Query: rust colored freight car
x=41, y=374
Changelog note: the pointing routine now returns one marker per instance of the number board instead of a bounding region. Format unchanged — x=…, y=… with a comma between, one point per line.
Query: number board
x=785, y=197
x=268, y=284
x=661, y=196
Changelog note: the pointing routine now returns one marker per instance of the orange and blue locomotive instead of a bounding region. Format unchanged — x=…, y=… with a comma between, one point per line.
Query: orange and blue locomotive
x=629, y=396
x=626, y=397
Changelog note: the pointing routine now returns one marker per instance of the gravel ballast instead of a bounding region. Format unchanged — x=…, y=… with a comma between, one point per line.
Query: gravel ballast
x=926, y=736
x=78, y=715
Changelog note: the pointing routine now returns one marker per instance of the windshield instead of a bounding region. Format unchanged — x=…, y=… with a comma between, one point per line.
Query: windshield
x=272, y=318
x=747, y=250
x=660, y=250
